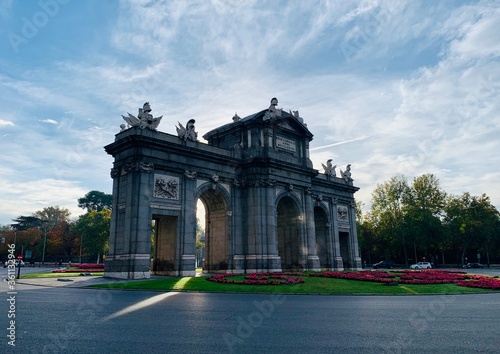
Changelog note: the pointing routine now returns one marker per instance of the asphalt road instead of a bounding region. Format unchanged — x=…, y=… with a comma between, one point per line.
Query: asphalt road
x=73, y=320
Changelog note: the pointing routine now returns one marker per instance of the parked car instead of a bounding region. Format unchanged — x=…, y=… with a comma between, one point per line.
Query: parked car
x=18, y=263
x=384, y=264
x=473, y=265
x=421, y=265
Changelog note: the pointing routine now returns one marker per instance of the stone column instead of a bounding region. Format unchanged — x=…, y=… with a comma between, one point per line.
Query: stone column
x=353, y=239
x=187, y=236
x=237, y=228
x=255, y=228
x=271, y=255
x=130, y=258
x=312, y=257
x=262, y=253
x=338, y=263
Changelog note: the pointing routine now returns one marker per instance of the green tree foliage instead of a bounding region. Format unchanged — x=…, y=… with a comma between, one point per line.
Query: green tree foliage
x=26, y=222
x=422, y=218
x=424, y=205
x=93, y=228
x=200, y=241
x=51, y=216
x=95, y=201
x=471, y=223
x=388, y=215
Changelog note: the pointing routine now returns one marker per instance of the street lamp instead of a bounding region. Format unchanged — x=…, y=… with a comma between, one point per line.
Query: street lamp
x=44, y=244
x=81, y=243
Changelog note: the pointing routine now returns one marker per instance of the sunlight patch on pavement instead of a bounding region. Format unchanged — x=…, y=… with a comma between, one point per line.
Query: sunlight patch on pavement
x=138, y=306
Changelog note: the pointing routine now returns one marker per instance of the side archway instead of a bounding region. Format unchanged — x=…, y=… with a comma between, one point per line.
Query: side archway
x=289, y=226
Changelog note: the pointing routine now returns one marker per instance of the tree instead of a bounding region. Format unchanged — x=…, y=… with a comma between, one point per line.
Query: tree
x=424, y=204
x=388, y=214
x=27, y=239
x=200, y=242
x=471, y=223
x=95, y=201
x=51, y=216
x=93, y=229
x=61, y=240
x=26, y=222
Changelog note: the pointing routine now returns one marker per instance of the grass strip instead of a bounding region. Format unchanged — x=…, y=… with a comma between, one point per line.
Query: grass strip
x=312, y=285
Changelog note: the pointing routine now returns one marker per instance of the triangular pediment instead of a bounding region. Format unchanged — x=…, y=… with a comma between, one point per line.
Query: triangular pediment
x=293, y=124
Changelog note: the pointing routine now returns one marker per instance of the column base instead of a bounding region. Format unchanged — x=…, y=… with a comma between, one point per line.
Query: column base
x=262, y=263
x=313, y=264
x=127, y=266
x=188, y=265
x=339, y=263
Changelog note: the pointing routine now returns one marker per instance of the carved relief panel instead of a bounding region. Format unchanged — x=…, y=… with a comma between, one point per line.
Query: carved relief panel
x=342, y=214
x=166, y=187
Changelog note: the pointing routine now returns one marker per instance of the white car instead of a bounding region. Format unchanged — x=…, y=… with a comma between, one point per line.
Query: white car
x=421, y=265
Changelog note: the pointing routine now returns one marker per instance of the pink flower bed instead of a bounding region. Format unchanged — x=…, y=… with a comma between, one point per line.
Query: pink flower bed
x=82, y=268
x=481, y=282
x=431, y=277
x=76, y=270
x=420, y=277
x=375, y=276
x=90, y=266
x=260, y=278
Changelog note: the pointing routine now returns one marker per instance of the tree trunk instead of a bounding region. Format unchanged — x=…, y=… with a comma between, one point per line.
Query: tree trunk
x=406, y=255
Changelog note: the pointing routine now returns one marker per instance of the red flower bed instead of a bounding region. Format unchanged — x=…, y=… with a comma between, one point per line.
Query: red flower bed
x=90, y=266
x=430, y=277
x=375, y=276
x=260, y=278
x=420, y=277
x=481, y=282
x=77, y=270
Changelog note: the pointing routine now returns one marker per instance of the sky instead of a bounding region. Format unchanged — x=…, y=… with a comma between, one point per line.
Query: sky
x=390, y=87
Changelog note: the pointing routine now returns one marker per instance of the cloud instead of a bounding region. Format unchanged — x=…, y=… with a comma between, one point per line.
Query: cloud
x=418, y=94
x=49, y=121
x=5, y=123
x=38, y=194
x=5, y=9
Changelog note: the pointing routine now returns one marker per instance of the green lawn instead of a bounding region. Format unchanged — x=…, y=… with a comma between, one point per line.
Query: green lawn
x=312, y=285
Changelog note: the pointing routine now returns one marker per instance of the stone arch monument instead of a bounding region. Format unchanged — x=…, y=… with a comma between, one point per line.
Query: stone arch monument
x=267, y=208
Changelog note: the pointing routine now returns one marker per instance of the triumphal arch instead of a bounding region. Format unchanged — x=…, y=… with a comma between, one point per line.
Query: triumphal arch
x=267, y=208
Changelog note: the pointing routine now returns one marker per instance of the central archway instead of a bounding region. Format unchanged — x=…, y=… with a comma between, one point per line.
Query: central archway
x=216, y=232
x=289, y=234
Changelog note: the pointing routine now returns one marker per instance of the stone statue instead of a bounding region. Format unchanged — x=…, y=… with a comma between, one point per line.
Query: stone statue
x=298, y=117
x=330, y=169
x=187, y=133
x=272, y=111
x=144, y=119
x=346, y=175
